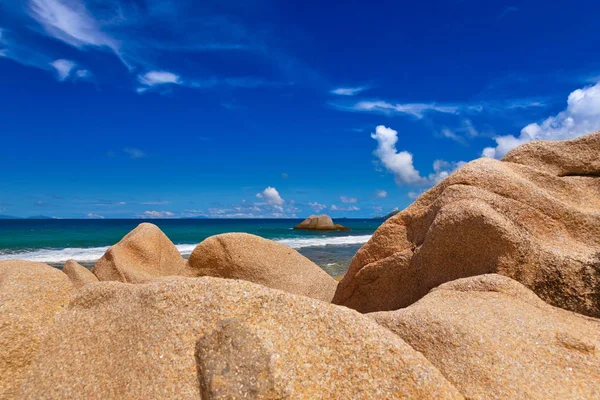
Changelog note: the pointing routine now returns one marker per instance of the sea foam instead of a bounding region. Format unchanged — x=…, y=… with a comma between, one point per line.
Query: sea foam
x=87, y=254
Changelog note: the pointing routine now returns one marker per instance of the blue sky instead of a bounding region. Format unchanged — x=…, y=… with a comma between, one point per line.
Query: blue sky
x=182, y=108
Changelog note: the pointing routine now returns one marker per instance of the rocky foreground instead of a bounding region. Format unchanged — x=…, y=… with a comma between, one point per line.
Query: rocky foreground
x=487, y=287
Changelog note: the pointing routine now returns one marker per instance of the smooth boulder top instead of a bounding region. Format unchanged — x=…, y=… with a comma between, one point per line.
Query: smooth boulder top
x=31, y=294
x=495, y=339
x=518, y=220
x=320, y=223
x=192, y=338
x=78, y=274
x=579, y=157
x=143, y=254
x=255, y=259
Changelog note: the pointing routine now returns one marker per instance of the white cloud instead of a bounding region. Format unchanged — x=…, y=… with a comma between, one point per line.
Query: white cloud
x=94, y=216
x=581, y=116
x=382, y=194
x=317, y=207
x=63, y=68
x=413, y=195
x=134, y=153
x=346, y=199
x=272, y=197
x=342, y=208
x=401, y=163
x=349, y=91
x=442, y=169
x=415, y=109
x=70, y=22
x=156, y=214
x=447, y=133
x=156, y=78
x=83, y=73
x=398, y=163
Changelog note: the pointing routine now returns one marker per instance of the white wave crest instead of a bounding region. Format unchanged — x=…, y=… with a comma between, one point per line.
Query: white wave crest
x=87, y=254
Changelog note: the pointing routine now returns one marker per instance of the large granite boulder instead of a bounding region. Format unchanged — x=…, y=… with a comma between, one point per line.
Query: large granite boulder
x=186, y=338
x=320, y=223
x=31, y=294
x=143, y=254
x=495, y=339
x=78, y=274
x=534, y=217
x=252, y=258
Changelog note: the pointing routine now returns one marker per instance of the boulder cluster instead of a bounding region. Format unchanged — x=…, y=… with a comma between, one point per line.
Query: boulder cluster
x=487, y=287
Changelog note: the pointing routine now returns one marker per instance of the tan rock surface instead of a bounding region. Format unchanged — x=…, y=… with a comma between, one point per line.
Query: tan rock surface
x=143, y=254
x=190, y=338
x=490, y=217
x=255, y=259
x=577, y=157
x=78, y=274
x=495, y=339
x=30, y=295
x=320, y=223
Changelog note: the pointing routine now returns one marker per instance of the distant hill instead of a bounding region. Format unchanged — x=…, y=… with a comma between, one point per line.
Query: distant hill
x=8, y=217
x=389, y=215
x=39, y=217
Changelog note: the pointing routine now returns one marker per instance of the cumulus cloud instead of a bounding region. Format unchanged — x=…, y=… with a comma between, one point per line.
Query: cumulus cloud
x=413, y=195
x=581, y=116
x=398, y=163
x=272, y=197
x=317, y=207
x=134, y=153
x=382, y=194
x=63, y=68
x=349, y=91
x=156, y=214
x=346, y=199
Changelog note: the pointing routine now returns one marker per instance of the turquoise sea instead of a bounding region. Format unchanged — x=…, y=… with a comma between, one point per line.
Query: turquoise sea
x=56, y=240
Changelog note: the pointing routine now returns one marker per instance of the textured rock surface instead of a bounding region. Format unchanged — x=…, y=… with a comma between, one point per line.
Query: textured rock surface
x=254, y=259
x=78, y=274
x=215, y=338
x=30, y=295
x=519, y=220
x=494, y=338
x=144, y=253
x=320, y=223
x=571, y=157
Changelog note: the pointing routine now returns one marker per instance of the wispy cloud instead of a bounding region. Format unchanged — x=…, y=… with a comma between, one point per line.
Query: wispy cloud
x=349, y=91
x=134, y=153
x=417, y=110
x=71, y=22
x=317, y=207
x=343, y=208
x=507, y=11
x=381, y=194
x=63, y=68
x=348, y=200
x=94, y=216
x=156, y=214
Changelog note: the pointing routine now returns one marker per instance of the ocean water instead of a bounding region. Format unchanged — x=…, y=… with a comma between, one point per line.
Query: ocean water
x=56, y=241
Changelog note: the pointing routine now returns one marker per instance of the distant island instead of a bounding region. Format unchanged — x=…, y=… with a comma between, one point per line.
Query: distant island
x=389, y=215
x=32, y=217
